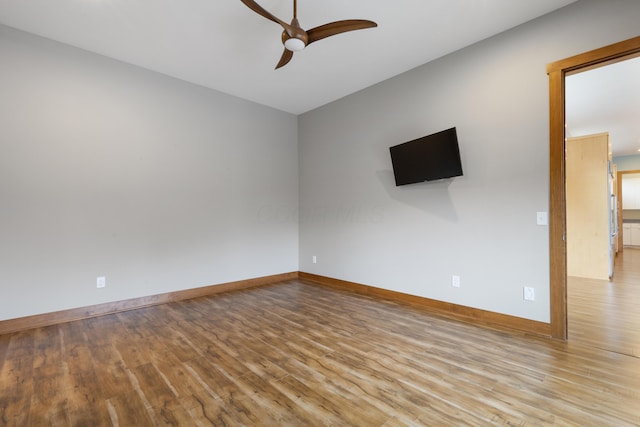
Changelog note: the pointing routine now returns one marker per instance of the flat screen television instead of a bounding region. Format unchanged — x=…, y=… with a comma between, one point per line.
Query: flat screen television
x=429, y=158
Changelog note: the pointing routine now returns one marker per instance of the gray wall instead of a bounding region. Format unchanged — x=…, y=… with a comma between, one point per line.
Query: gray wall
x=481, y=226
x=108, y=169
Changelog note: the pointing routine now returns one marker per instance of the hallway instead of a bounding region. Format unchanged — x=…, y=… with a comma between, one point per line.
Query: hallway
x=606, y=314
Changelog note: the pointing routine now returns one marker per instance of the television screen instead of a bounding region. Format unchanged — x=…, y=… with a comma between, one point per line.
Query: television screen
x=431, y=157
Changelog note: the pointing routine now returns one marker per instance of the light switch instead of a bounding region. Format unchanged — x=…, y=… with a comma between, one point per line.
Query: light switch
x=542, y=218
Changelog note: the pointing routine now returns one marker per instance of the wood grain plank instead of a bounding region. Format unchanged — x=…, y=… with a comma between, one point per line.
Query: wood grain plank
x=48, y=319
x=126, y=410
x=17, y=380
x=469, y=314
x=604, y=313
x=298, y=353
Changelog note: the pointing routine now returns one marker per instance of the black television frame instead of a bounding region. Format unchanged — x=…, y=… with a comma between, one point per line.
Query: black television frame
x=429, y=158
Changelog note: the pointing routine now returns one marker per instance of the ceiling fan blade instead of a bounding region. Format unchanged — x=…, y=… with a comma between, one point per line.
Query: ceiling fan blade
x=285, y=58
x=251, y=4
x=338, y=27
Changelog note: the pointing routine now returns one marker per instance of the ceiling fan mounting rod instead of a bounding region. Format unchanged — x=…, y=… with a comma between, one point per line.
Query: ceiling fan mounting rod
x=295, y=9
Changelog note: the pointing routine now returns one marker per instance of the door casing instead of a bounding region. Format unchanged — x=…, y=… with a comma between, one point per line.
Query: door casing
x=557, y=72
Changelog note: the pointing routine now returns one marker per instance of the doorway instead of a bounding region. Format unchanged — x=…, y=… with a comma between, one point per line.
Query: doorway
x=557, y=72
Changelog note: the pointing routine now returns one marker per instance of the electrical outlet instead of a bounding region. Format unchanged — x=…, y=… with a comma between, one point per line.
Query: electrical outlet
x=529, y=294
x=101, y=282
x=455, y=281
x=315, y=260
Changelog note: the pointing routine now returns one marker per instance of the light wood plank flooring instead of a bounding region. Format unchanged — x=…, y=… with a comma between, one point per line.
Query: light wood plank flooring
x=606, y=314
x=298, y=354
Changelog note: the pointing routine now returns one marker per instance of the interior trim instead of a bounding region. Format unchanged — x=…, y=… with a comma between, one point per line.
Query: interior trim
x=619, y=175
x=458, y=312
x=48, y=319
x=557, y=203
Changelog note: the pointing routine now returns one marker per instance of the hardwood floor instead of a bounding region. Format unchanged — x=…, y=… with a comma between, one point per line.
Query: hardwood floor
x=300, y=354
x=606, y=314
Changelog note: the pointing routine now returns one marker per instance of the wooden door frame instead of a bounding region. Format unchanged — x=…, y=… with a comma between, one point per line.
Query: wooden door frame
x=619, y=199
x=557, y=72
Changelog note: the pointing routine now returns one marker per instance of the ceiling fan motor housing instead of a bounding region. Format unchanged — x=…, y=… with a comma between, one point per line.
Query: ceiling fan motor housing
x=295, y=38
x=295, y=41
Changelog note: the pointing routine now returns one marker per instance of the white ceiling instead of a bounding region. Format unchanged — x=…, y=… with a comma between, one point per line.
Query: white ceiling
x=606, y=99
x=223, y=45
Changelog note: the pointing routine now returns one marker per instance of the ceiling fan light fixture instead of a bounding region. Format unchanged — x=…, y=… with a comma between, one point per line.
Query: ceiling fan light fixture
x=294, y=45
x=295, y=38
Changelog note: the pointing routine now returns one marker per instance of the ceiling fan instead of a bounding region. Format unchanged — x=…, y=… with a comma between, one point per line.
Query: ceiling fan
x=295, y=38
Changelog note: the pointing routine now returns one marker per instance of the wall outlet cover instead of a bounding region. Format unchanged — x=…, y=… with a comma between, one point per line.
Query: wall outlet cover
x=529, y=294
x=455, y=281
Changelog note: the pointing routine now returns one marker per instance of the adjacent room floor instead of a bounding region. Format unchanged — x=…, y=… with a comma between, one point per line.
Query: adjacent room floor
x=606, y=314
